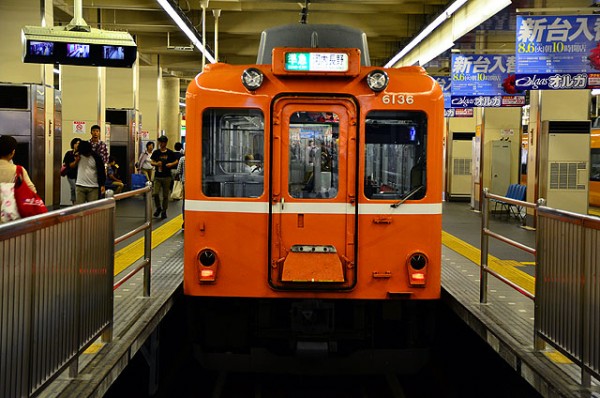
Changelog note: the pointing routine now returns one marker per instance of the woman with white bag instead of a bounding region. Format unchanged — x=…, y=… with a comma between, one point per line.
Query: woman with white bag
x=8, y=172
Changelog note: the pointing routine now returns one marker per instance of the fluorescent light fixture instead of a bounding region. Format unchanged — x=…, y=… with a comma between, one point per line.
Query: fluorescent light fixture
x=425, y=32
x=193, y=35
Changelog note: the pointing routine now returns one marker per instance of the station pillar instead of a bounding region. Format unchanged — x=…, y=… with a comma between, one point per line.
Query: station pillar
x=545, y=106
x=169, y=109
x=14, y=15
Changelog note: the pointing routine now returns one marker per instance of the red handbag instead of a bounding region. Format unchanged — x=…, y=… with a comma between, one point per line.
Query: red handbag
x=28, y=202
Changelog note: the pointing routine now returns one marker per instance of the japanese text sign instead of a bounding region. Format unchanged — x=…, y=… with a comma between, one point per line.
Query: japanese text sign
x=484, y=81
x=557, y=52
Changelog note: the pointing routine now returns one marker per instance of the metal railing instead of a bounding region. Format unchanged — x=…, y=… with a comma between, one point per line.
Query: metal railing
x=567, y=282
x=567, y=311
x=57, y=275
x=146, y=227
x=56, y=298
x=486, y=233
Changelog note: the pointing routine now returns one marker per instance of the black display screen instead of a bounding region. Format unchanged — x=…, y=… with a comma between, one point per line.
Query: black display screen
x=78, y=50
x=83, y=54
x=41, y=48
x=114, y=52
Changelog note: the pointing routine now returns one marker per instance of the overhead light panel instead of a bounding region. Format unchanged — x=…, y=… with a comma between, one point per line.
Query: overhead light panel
x=186, y=26
x=425, y=32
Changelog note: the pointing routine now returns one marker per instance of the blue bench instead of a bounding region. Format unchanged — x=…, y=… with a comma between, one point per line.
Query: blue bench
x=515, y=192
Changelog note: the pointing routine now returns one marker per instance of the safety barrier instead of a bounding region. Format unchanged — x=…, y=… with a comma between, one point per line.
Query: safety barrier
x=567, y=283
x=146, y=227
x=486, y=233
x=568, y=287
x=57, y=272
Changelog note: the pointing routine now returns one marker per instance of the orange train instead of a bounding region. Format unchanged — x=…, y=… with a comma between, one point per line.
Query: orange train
x=313, y=206
x=595, y=169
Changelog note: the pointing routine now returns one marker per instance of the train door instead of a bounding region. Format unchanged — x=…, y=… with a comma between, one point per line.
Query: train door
x=313, y=195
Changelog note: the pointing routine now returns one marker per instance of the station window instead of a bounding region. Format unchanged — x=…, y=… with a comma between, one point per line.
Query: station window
x=232, y=153
x=395, y=155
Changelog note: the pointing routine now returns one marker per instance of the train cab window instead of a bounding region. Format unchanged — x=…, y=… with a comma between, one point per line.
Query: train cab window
x=313, y=155
x=232, y=153
x=395, y=149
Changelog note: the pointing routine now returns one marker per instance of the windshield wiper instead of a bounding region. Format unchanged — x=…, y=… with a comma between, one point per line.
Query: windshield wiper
x=408, y=196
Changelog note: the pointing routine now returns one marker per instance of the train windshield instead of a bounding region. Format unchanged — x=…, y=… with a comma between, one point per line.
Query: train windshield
x=313, y=155
x=395, y=149
x=232, y=153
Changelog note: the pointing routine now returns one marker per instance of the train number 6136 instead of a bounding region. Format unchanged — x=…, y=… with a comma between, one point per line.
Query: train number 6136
x=399, y=99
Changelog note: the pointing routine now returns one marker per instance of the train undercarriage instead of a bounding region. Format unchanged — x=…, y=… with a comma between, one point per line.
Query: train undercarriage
x=311, y=336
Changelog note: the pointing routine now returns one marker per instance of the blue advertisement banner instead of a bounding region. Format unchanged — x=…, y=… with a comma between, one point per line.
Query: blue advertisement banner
x=487, y=101
x=483, y=81
x=557, y=52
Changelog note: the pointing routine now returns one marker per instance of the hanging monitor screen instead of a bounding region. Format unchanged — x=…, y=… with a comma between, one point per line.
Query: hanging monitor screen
x=61, y=47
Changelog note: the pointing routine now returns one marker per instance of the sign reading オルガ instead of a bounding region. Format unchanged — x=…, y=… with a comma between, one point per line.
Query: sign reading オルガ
x=558, y=52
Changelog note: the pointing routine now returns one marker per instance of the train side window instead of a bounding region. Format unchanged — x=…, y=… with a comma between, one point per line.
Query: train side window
x=595, y=161
x=232, y=153
x=395, y=155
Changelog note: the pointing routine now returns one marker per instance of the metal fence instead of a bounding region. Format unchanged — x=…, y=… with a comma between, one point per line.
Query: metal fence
x=567, y=281
x=56, y=299
x=568, y=286
x=57, y=273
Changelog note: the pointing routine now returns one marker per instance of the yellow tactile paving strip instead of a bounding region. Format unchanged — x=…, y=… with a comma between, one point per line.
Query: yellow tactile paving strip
x=506, y=268
x=128, y=255
x=131, y=253
x=594, y=211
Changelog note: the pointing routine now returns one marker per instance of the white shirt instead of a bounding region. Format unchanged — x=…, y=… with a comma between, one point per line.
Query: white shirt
x=87, y=175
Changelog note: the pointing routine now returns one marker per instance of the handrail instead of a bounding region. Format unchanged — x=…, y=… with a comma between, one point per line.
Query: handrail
x=486, y=233
x=146, y=227
x=55, y=266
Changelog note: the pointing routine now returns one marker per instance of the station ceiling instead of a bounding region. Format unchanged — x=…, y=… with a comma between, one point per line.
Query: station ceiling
x=389, y=25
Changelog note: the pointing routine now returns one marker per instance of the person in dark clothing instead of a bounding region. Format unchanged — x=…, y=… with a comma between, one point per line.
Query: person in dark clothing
x=91, y=175
x=69, y=161
x=164, y=160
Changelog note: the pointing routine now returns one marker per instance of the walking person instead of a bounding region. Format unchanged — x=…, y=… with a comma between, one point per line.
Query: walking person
x=144, y=164
x=70, y=162
x=8, y=174
x=91, y=174
x=164, y=160
x=98, y=146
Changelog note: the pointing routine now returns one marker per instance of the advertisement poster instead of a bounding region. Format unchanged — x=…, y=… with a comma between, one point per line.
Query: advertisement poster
x=484, y=81
x=557, y=52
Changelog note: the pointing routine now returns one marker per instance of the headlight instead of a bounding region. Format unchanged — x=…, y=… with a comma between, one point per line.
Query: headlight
x=252, y=79
x=377, y=80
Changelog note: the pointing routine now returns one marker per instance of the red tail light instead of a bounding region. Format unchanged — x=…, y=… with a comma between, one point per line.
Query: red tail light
x=417, y=269
x=208, y=263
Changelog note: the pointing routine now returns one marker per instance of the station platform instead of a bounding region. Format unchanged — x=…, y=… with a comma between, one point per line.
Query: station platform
x=505, y=322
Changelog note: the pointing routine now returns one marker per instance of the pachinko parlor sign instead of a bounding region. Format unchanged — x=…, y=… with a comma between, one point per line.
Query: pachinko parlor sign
x=484, y=81
x=558, y=52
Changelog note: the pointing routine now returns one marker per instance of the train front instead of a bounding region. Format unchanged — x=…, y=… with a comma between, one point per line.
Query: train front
x=313, y=202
